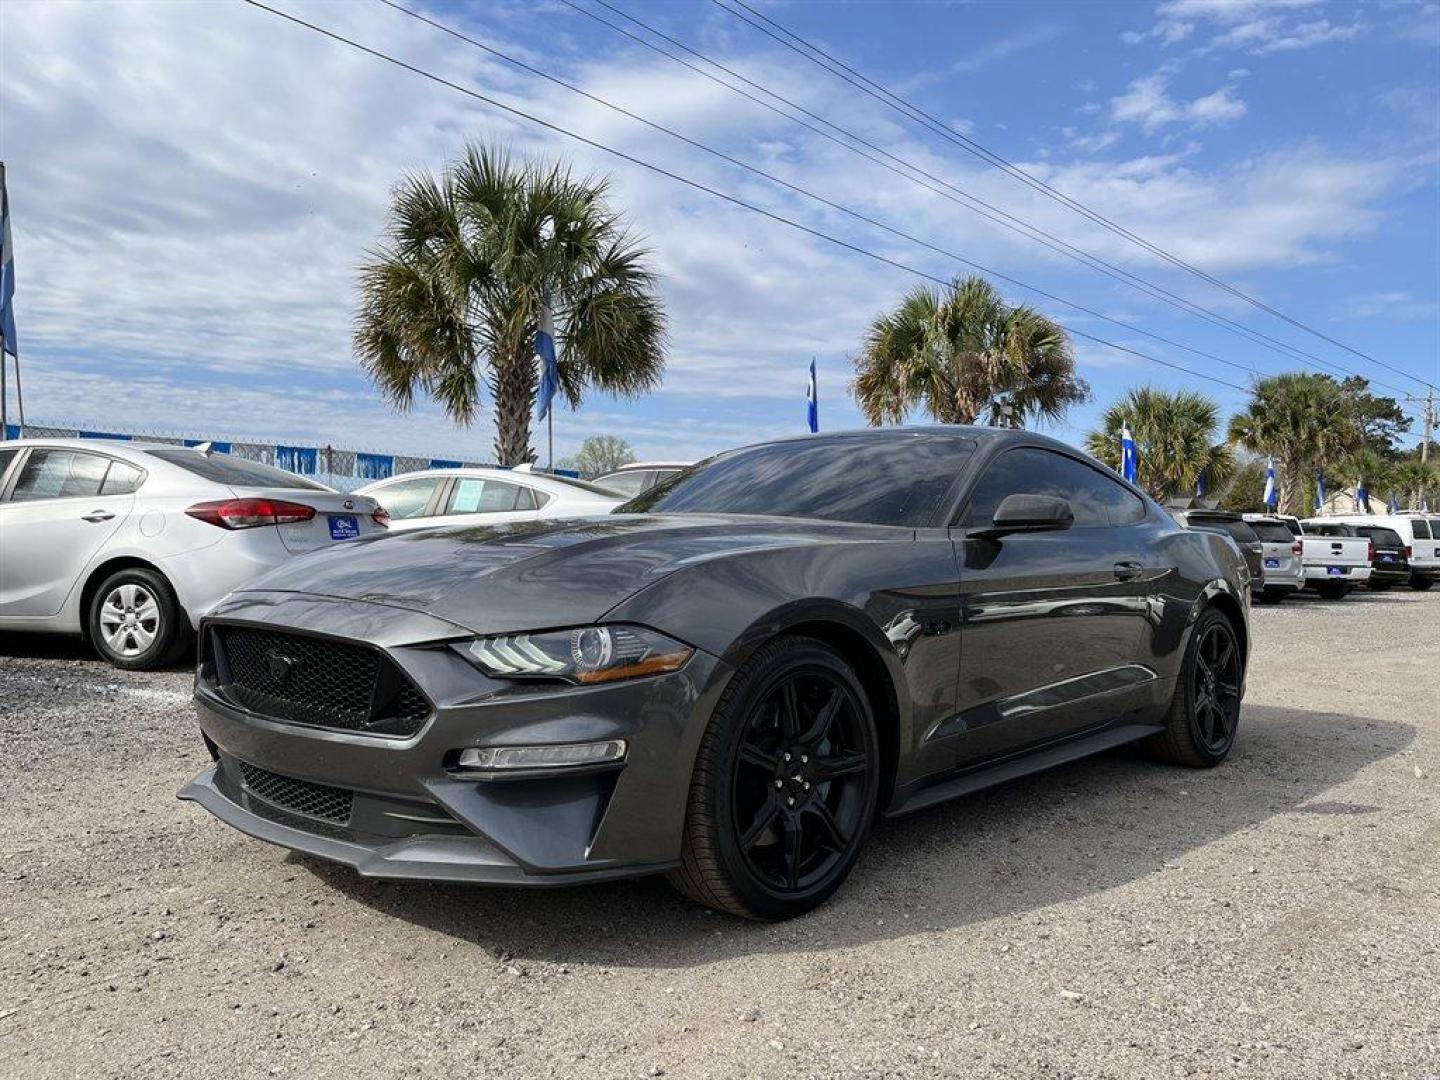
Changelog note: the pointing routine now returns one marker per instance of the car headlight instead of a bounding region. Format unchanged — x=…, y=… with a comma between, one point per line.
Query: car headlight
x=586, y=654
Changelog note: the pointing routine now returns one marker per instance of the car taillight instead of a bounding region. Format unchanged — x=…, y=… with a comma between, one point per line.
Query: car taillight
x=1370, y=554
x=250, y=513
x=380, y=516
x=1297, y=549
x=1408, y=550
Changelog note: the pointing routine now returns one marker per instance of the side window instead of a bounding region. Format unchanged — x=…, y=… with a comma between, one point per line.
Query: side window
x=7, y=455
x=1030, y=471
x=629, y=483
x=477, y=496
x=59, y=474
x=407, y=498
x=1421, y=528
x=525, y=499
x=122, y=479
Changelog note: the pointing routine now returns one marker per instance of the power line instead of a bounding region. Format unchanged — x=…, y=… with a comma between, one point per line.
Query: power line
x=918, y=115
x=806, y=193
x=697, y=185
x=961, y=196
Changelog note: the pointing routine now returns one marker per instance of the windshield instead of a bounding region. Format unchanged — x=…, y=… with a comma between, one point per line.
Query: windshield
x=881, y=479
x=1272, y=532
x=233, y=471
x=627, y=484
x=1380, y=536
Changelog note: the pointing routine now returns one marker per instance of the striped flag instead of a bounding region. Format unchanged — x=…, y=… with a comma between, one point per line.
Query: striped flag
x=1129, y=460
x=8, y=343
x=1272, y=497
x=812, y=401
x=545, y=353
x=1362, y=497
x=1319, y=490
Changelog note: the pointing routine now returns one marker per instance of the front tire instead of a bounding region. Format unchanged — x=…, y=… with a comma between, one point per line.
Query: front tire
x=1205, y=711
x=1421, y=584
x=135, y=622
x=785, y=783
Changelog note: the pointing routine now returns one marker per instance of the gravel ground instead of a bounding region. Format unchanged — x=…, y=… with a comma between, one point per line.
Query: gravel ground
x=1276, y=917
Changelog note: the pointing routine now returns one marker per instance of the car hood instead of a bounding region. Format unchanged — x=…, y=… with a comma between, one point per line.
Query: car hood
x=538, y=574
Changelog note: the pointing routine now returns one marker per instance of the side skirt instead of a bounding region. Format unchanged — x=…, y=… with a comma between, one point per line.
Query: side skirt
x=1012, y=768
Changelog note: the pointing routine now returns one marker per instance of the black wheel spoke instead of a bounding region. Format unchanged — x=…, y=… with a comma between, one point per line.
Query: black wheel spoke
x=763, y=820
x=1224, y=654
x=824, y=720
x=830, y=828
x=832, y=768
x=751, y=754
x=789, y=704
x=794, y=849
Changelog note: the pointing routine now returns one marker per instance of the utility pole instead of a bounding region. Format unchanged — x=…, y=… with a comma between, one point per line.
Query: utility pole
x=1427, y=418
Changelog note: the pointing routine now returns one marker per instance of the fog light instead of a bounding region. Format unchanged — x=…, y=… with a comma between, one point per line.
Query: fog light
x=561, y=756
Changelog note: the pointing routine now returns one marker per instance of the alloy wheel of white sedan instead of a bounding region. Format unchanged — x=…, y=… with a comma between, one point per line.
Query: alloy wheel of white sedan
x=129, y=619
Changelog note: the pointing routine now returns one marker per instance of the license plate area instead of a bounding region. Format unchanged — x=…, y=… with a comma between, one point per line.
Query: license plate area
x=1336, y=571
x=344, y=526
x=1272, y=564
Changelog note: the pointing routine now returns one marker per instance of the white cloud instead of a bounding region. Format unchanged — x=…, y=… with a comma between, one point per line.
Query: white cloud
x=1022, y=40
x=1255, y=26
x=1147, y=102
x=1398, y=304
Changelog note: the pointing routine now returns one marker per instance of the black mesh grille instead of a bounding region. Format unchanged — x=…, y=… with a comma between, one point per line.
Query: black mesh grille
x=308, y=680
x=298, y=796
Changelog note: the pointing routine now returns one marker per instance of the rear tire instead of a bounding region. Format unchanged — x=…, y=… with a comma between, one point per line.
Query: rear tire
x=1421, y=584
x=1270, y=596
x=1380, y=586
x=783, y=793
x=135, y=622
x=1204, y=714
x=1332, y=591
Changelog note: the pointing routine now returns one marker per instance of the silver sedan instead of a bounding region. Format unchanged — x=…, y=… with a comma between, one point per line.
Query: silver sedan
x=130, y=544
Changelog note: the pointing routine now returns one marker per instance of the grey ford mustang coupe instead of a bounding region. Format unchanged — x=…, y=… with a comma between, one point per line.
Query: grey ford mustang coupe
x=730, y=677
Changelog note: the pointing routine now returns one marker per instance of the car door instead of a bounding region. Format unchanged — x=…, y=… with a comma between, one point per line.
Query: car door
x=57, y=515
x=1052, y=623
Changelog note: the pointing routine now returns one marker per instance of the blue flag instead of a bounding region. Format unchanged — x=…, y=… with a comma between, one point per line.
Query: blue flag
x=8, y=343
x=1362, y=497
x=1272, y=496
x=1202, y=486
x=812, y=402
x=1319, y=490
x=549, y=366
x=1393, y=505
x=1129, y=461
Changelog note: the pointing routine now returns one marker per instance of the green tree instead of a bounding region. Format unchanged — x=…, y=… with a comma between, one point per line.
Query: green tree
x=1381, y=420
x=600, y=454
x=450, y=303
x=1305, y=422
x=967, y=357
x=1245, y=490
x=1415, y=482
x=1175, y=440
x=1365, y=465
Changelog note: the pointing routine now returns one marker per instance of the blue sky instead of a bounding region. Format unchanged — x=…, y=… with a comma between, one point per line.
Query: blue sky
x=192, y=186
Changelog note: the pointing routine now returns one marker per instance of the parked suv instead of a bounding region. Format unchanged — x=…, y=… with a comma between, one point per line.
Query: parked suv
x=1389, y=561
x=1282, y=552
x=1420, y=533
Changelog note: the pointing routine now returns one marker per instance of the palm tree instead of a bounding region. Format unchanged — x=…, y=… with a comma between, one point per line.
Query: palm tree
x=1305, y=422
x=1366, y=467
x=968, y=357
x=1416, y=483
x=1174, y=440
x=450, y=304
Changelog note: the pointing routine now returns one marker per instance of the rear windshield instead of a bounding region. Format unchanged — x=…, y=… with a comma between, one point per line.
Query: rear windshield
x=1421, y=527
x=1272, y=532
x=581, y=485
x=233, y=471
x=1381, y=536
x=884, y=480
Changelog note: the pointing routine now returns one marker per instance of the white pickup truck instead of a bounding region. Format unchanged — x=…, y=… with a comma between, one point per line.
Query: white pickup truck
x=1335, y=556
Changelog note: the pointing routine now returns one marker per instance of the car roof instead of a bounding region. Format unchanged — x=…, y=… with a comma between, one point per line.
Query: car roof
x=544, y=481
x=94, y=444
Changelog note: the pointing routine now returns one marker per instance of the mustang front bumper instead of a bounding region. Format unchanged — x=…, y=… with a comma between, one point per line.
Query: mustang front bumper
x=399, y=807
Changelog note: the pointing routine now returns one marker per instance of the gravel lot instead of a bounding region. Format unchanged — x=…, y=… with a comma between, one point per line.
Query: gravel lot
x=1277, y=917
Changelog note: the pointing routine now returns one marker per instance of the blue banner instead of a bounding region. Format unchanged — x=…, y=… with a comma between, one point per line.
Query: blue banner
x=102, y=435
x=374, y=466
x=12, y=431
x=297, y=459
x=443, y=463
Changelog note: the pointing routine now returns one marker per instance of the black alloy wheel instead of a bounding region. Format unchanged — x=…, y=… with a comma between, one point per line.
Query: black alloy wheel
x=1199, y=730
x=1215, y=685
x=785, y=785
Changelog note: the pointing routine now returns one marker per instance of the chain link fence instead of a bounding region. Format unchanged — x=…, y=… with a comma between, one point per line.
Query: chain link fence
x=339, y=467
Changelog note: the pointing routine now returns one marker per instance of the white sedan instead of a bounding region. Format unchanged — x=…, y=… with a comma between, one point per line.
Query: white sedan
x=485, y=497
x=129, y=543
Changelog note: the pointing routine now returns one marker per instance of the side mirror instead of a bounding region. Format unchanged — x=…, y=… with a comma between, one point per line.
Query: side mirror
x=1028, y=513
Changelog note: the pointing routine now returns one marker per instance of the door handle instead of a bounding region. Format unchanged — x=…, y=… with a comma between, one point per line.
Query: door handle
x=97, y=515
x=1124, y=571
